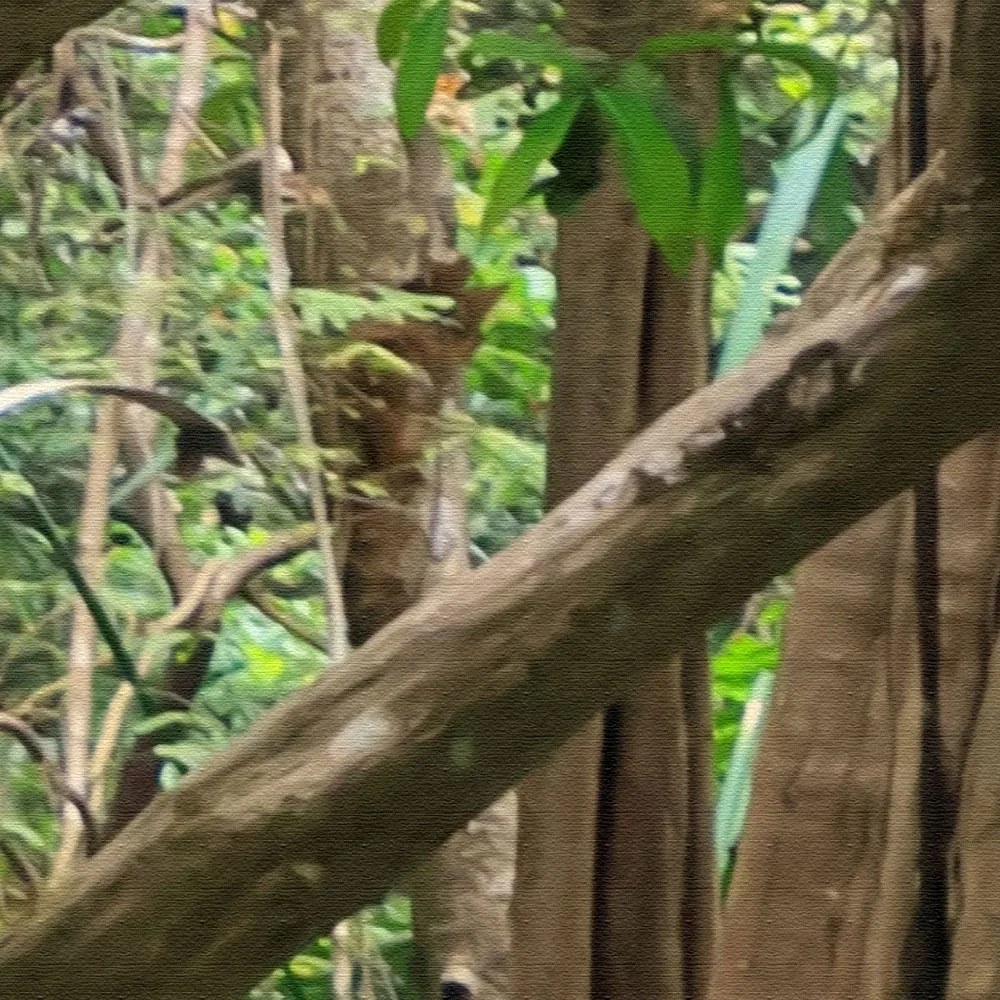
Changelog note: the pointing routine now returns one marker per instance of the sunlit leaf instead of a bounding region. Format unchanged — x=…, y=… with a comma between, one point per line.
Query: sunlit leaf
x=821, y=70
x=309, y=967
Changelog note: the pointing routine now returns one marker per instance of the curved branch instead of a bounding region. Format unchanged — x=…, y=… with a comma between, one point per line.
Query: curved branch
x=341, y=790
x=28, y=739
x=218, y=580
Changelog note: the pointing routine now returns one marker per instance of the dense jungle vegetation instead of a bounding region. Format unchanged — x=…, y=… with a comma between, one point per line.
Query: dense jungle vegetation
x=311, y=309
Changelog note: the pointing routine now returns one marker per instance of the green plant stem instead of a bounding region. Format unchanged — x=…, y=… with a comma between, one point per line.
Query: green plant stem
x=63, y=557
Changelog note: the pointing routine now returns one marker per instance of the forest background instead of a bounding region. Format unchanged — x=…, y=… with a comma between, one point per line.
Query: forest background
x=381, y=353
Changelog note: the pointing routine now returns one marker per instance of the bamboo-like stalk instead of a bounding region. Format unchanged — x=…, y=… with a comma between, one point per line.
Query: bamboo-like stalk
x=284, y=322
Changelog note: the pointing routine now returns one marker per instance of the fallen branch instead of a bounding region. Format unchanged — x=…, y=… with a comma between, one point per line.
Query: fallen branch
x=337, y=793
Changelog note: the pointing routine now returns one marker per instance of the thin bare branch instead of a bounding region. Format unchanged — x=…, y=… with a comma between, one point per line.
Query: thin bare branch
x=28, y=739
x=258, y=596
x=124, y=40
x=78, y=705
x=218, y=580
x=284, y=327
x=183, y=123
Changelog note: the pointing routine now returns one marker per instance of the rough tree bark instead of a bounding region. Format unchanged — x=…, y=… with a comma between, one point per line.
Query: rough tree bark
x=340, y=791
x=392, y=222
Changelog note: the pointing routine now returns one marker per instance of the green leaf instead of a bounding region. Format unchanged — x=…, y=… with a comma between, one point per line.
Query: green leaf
x=322, y=310
x=419, y=65
x=822, y=71
x=375, y=358
x=309, y=967
x=798, y=181
x=393, y=26
x=655, y=172
x=540, y=49
x=21, y=831
x=540, y=141
x=722, y=201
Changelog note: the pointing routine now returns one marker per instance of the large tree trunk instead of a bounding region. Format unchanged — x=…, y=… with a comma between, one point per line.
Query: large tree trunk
x=337, y=793
x=825, y=901
x=358, y=226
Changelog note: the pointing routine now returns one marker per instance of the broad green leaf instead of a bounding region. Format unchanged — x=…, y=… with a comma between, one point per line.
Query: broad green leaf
x=722, y=201
x=540, y=141
x=798, y=180
x=419, y=65
x=655, y=172
x=393, y=26
x=540, y=49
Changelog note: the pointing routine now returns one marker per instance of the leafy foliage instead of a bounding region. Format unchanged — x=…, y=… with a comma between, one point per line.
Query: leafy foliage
x=419, y=65
x=673, y=205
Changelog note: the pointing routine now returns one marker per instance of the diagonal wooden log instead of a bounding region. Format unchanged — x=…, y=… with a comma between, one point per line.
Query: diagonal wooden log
x=338, y=792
